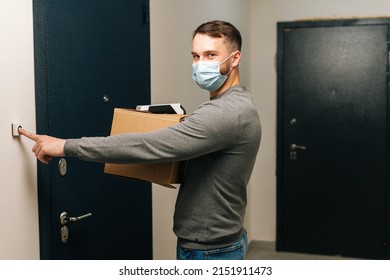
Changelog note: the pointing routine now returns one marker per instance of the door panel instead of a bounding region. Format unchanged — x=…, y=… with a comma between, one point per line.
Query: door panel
x=91, y=56
x=333, y=102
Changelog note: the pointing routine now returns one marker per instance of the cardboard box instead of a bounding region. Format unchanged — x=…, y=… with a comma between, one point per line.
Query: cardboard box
x=127, y=120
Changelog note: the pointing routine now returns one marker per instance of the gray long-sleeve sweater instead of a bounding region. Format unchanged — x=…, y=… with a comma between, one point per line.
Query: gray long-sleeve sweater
x=220, y=140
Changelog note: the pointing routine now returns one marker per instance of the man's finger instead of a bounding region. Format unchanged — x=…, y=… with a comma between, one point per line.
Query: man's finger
x=29, y=135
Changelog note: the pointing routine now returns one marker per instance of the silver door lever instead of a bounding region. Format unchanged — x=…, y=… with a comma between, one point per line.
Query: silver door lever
x=64, y=218
x=295, y=147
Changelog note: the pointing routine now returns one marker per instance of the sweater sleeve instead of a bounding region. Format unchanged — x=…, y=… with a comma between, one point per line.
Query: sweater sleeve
x=205, y=131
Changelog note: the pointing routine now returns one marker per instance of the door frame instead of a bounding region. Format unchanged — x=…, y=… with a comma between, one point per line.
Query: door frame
x=42, y=126
x=281, y=26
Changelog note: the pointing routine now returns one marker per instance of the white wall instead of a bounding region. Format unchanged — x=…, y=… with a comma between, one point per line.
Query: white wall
x=172, y=22
x=18, y=196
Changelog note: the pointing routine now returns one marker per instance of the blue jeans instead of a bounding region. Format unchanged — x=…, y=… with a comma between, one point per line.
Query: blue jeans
x=236, y=251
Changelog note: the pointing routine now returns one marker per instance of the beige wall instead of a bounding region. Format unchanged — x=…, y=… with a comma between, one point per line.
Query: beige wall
x=172, y=22
x=18, y=197
x=264, y=16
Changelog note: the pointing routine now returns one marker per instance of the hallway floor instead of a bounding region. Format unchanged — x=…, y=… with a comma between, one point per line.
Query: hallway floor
x=265, y=250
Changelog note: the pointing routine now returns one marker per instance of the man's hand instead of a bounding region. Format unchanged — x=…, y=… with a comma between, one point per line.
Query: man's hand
x=46, y=147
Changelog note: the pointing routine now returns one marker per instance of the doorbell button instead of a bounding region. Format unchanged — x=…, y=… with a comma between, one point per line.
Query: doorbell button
x=15, y=129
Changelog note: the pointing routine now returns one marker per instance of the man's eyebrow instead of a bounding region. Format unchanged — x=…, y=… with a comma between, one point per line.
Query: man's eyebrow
x=206, y=52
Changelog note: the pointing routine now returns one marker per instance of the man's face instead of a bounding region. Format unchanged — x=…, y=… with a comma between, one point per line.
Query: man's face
x=206, y=48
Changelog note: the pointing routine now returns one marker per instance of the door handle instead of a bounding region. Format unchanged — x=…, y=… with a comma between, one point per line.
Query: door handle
x=295, y=147
x=64, y=218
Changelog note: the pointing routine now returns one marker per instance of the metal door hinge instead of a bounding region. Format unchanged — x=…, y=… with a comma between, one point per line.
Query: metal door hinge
x=146, y=14
x=385, y=245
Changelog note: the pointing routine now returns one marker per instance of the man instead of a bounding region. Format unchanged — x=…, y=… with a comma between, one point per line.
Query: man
x=219, y=140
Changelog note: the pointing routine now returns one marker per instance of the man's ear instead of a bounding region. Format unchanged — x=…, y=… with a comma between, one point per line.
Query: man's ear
x=236, y=58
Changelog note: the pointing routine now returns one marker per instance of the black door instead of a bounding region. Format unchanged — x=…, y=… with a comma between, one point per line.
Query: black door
x=91, y=56
x=333, y=137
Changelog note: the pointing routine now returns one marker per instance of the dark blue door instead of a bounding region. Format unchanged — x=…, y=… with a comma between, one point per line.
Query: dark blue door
x=90, y=57
x=333, y=129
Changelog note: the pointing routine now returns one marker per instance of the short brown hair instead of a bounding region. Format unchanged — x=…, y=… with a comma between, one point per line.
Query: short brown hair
x=221, y=29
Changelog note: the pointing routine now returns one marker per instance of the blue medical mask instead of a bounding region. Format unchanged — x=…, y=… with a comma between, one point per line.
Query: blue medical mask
x=207, y=74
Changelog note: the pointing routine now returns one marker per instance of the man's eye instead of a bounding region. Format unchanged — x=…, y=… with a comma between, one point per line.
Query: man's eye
x=211, y=55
